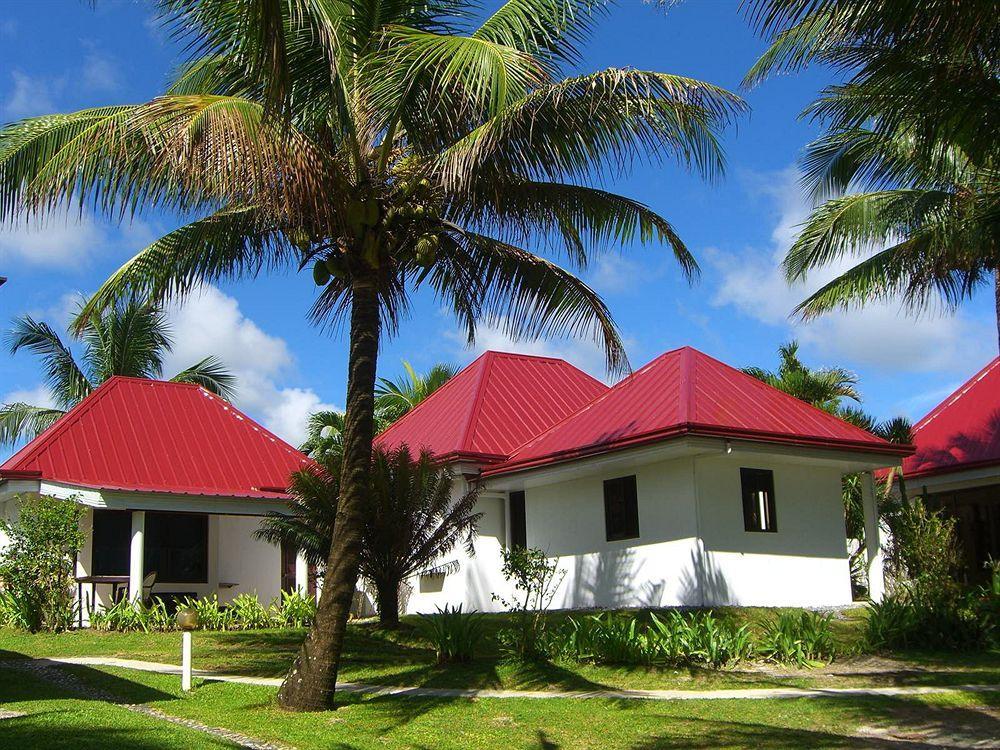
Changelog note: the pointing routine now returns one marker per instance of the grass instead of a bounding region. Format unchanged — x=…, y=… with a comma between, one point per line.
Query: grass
x=56, y=719
x=383, y=722
x=402, y=658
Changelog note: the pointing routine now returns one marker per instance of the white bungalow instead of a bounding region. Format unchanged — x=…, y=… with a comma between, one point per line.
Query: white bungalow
x=175, y=482
x=687, y=483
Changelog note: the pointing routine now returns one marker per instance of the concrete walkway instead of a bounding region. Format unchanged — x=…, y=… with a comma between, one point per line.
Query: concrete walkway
x=655, y=695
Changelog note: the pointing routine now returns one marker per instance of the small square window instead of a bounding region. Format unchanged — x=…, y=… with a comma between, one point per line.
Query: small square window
x=758, y=500
x=621, y=509
x=518, y=520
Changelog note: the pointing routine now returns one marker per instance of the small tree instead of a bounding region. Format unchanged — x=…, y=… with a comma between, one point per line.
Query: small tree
x=36, y=567
x=535, y=579
x=410, y=520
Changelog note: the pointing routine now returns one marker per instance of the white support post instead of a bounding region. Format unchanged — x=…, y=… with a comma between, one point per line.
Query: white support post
x=186, y=660
x=873, y=539
x=301, y=574
x=135, y=572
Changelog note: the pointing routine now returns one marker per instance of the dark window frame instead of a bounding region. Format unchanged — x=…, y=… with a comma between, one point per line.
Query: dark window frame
x=153, y=557
x=518, y=516
x=621, y=509
x=110, y=541
x=752, y=482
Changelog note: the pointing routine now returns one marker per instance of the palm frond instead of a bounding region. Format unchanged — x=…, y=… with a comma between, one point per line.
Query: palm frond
x=62, y=373
x=20, y=422
x=211, y=374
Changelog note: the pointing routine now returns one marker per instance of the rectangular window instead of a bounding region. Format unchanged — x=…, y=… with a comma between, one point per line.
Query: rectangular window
x=176, y=547
x=110, y=541
x=518, y=521
x=621, y=509
x=758, y=500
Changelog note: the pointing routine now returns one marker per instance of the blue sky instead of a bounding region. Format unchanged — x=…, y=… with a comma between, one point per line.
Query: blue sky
x=62, y=55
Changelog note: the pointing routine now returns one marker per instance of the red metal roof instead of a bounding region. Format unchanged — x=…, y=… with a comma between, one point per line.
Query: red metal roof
x=963, y=431
x=492, y=406
x=686, y=392
x=154, y=436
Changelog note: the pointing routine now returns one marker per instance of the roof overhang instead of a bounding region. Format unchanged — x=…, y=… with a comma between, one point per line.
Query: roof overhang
x=888, y=454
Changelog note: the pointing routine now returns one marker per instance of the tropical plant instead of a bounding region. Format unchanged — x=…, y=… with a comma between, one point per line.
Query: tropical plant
x=37, y=562
x=911, y=153
x=126, y=616
x=701, y=638
x=804, y=638
x=128, y=338
x=394, y=398
x=824, y=388
x=389, y=147
x=294, y=609
x=454, y=634
x=410, y=520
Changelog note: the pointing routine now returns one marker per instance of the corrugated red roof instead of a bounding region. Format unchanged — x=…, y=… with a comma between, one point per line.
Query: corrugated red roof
x=686, y=392
x=154, y=436
x=963, y=431
x=492, y=406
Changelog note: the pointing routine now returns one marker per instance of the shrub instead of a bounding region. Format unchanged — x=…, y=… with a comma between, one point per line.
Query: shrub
x=922, y=545
x=605, y=638
x=535, y=579
x=294, y=609
x=803, y=638
x=36, y=567
x=701, y=638
x=453, y=633
x=211, y=614
x=245, y=612
x=917, y=617
x=127, y=617
x=15, y=612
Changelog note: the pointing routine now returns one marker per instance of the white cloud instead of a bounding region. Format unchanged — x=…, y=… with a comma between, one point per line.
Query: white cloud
x=30, y=95
x=879, y=335
x=100, y=73
x=211, y=323
x=581, y=353
x=64, y=239
x=614, y=274
x=37, y=396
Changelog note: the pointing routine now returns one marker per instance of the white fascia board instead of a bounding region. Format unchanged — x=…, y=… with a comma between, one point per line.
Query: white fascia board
x=955, y=480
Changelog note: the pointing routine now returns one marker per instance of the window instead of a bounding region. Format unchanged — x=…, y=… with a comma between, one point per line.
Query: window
x=621, y=509
x=110, y=542
x=518, y=522
x=758, y=500
x=176, y=547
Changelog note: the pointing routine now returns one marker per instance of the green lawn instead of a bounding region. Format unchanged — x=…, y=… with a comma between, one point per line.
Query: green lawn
x=401, y=658
x=381, y=722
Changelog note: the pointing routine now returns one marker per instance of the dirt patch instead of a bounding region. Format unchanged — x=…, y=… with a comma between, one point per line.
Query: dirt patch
x=971, y=727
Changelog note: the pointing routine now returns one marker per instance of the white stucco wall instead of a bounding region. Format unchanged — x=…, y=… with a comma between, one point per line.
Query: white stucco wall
x=692, y=548
x=253, y=565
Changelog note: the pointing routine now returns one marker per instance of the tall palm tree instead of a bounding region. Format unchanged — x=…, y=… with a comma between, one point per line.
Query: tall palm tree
x=911, y=155
x=824, y=388
x=128, y=338
x=389, y=146
x=410, y=520
x=394, y=398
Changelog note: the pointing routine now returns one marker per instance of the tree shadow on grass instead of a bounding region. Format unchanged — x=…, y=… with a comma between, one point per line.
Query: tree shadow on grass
x=25, y=732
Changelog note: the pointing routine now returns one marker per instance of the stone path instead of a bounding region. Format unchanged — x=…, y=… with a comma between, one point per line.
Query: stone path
x=49, y=670
x=656, y=695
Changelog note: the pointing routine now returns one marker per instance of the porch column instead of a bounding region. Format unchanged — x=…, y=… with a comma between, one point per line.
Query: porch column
x=873, y=538
x=301, y=574
x=135, y=574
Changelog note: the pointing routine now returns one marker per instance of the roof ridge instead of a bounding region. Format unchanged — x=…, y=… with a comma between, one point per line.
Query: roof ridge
x=955, y=395
x=477, y=402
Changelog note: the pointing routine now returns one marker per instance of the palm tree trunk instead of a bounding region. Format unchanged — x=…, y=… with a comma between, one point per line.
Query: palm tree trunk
x=312, y=681
x=388, y=605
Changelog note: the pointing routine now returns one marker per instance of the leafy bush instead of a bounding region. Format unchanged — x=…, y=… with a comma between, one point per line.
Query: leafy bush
x=673, y=639
x=36, y=567
x=245, y=612
x=922, y=545
x=803, y=638
x=916, y=617
x=453, y=633
x=127, y=617
x=294, y=609
x=15, y=612
x=212, y=615
x=535, y=579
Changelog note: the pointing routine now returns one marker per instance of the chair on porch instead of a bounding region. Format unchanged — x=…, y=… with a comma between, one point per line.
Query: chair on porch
x=147, y=587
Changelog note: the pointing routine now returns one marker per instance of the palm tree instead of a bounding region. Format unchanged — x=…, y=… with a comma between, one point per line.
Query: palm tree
x=410, y=521
x=910, y=156
x=388, y=146
x=824, y=388
x=394, y=398
x=128, y=338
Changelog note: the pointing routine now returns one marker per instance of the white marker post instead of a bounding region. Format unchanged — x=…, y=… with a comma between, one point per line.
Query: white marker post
x=186, y=660
x=187, y=620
